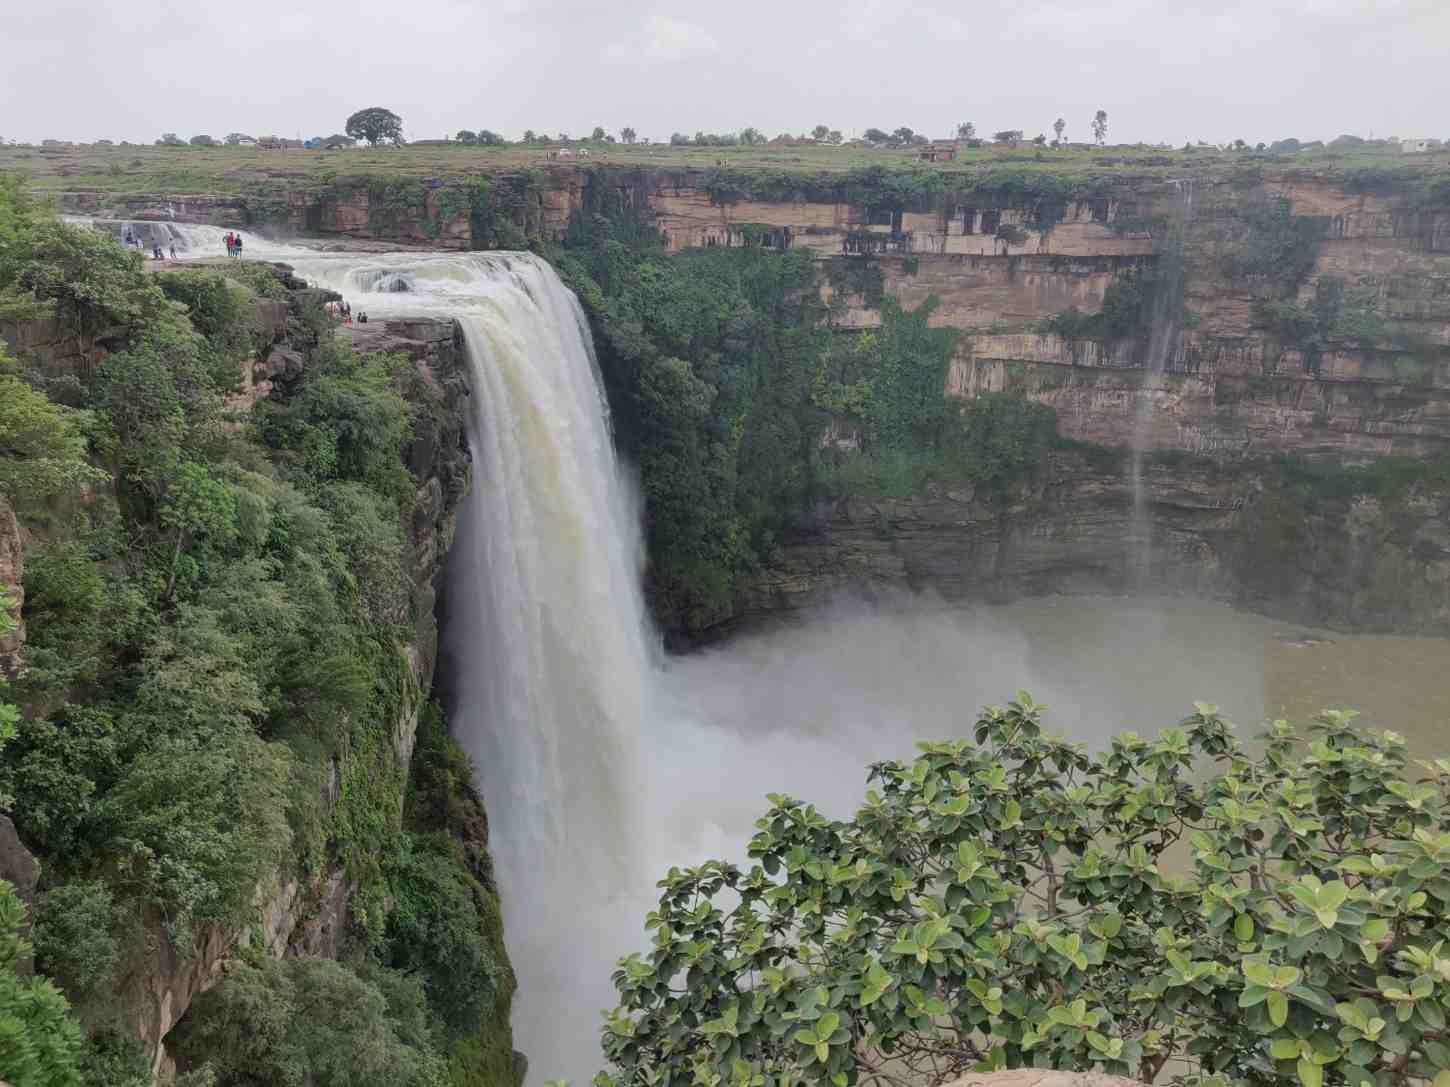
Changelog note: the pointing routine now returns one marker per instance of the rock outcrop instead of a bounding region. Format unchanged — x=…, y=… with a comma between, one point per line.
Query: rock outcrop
x=1228, y=534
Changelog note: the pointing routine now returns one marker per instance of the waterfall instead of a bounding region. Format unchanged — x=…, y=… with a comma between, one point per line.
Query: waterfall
x=554, y=630
x=1162, y=340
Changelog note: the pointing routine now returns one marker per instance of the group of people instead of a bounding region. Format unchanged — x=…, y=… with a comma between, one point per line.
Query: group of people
x=234, y=243
x=156, y=254
x=343, y=309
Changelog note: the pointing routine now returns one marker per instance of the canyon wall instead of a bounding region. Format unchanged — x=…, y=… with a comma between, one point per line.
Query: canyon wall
x=1002, y=264
x=296, y=914
x=1217, y=378
x=1234, y=533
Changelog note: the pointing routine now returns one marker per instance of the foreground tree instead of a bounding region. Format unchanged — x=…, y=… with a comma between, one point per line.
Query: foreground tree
x=1100, y=125
x=1016, y=902
x=375, y=125
x=40, y=1043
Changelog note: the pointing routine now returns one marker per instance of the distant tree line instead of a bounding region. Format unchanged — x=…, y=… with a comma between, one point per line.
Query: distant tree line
x=377, y=125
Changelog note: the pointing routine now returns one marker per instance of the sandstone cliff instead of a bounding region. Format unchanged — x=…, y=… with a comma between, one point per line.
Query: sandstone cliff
x=1220, y=375
x=1231, y=534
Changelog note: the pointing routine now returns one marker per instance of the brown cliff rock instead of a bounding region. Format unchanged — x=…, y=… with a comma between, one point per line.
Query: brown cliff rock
x=11, y=587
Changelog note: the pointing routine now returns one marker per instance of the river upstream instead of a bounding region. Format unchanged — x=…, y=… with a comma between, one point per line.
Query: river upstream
x=603, y=762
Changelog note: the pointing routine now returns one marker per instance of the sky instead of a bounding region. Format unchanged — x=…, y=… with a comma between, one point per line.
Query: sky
x=1164, y=70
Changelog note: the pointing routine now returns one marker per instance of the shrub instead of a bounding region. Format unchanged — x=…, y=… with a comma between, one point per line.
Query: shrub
x=40, y=1043
x=1016, y=902
x=436, y=931
x=73, y=939
x=310, y=1021
x=42, y=445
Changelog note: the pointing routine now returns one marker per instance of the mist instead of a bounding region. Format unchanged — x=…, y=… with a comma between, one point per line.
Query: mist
x=805, y=711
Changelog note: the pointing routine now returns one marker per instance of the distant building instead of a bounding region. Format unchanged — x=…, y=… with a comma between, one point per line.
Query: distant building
x=1416, y=147
x=246, y=141
x=938, y=151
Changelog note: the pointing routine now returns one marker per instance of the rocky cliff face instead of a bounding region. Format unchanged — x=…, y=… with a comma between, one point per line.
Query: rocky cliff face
x=297, y=916
x=1217, y=376
x=1229, y=533
x=307, y=917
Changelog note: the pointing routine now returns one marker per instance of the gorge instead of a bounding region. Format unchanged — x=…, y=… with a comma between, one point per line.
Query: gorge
x=823, y=465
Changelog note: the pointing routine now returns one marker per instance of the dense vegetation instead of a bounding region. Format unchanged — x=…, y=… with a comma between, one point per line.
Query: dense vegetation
x=216, y=608
x=724, y=369
x=1267, y=918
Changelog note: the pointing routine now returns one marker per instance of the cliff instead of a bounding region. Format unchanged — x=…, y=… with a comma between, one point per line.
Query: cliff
x=1288, y=307
x=328, y=886
x=1238, y=533
x=309, y=916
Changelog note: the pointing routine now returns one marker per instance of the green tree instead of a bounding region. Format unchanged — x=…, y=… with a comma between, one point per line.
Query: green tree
x=490, y=139
x=598, y=134
x=821, y=133
x=466, y=135
x=628, y=135
x=40, y=1044
x=966, y=131
x=1269, y=918
x=42, y=446
x=1058, y=127
x=234, y=138
x=202, y=141
x=170, y=139
x=376, y=125
x=876, y=135
x=311, y=1021
x=1100, y=125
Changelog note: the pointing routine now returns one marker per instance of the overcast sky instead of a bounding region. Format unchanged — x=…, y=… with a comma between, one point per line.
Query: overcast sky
x=1163, y=69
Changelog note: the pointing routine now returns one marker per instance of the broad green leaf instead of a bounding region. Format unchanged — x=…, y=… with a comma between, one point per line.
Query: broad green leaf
x=1310, y=1074
x=1278, y=1005
x=1284, y=1049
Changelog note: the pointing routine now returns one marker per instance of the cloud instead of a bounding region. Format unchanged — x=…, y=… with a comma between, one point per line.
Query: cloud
x=663, y=39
